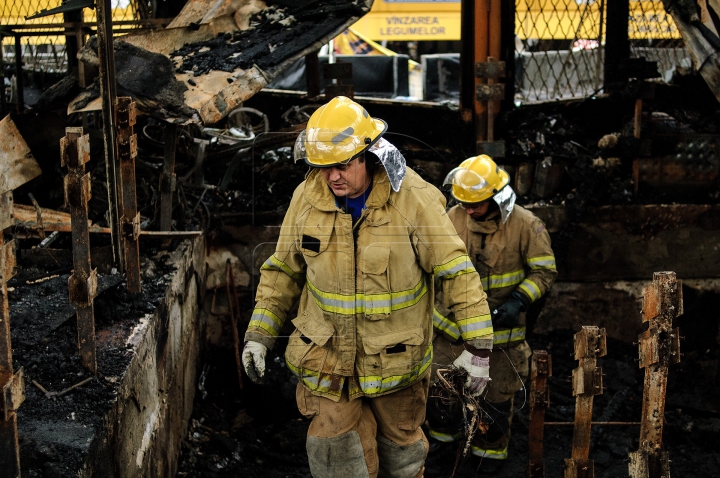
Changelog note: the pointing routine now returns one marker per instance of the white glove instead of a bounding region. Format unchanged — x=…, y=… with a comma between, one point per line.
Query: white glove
x=253, y=359
x=478, y=369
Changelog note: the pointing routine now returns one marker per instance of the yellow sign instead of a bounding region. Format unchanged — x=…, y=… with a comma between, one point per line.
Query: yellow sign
x=409, y=26
x=400, y=20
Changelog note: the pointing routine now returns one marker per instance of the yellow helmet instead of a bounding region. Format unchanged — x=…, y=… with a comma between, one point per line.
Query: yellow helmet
x=477, y=179
x=337, y=132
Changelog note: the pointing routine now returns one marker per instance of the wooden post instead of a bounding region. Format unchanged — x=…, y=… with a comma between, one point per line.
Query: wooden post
x=659, y=347
x=539, y=400
x=82, y=284
x=587, y=382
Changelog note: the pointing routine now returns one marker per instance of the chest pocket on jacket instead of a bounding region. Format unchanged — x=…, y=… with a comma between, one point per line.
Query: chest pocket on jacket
x=373, y=264
x=314, y=236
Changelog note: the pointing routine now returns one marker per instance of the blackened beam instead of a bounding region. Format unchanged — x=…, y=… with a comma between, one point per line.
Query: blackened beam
x=590, y=344
x=539, y=401
x=127, y=151
x=82, y=284
x=659, y=347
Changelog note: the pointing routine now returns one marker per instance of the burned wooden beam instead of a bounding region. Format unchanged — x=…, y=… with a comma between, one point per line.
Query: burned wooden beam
x=130, y=219
x=82, y=284
x=659, y=347
x=539, y=401
x=590, y=344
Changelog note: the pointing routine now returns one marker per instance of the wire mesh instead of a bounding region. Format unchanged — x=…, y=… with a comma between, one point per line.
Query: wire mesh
x=654, y=36
x=560, y=45
x=47, y=52
x=558, y=48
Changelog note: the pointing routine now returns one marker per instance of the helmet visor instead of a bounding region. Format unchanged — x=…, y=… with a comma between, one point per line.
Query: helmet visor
x=321, y=147
x=465, y=179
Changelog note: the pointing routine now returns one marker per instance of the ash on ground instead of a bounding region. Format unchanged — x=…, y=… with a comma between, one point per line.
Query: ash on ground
x=56, y=432
x=258, y=432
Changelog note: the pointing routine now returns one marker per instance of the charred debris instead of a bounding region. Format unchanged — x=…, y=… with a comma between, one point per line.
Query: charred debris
x=231, y=181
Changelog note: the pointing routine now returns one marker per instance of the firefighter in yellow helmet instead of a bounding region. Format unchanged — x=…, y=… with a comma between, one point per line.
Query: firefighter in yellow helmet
x=510, y=248
x=362, y=241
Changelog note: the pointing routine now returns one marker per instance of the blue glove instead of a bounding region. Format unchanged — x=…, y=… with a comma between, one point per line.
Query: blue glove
x=507, y=315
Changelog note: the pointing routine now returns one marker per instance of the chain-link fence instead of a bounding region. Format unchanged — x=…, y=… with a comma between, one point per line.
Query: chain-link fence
x=560, y=45
x=654, y=36
x=42, y=40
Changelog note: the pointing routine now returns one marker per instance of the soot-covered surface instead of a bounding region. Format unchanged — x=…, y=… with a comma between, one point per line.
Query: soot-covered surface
x=56, y=433
x=276, y=35
x=257, y=432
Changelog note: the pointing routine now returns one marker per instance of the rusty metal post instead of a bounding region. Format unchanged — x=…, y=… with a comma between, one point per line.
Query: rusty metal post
x=234, y=310
x=19, y=80
x=127, y=151
x=167, y=177
x=541, y=370
x=590, y=344
x=659, y=347
x=108, y=93
x=82, y=284
x=480, y=54
x=312, y=74
x=13, y=384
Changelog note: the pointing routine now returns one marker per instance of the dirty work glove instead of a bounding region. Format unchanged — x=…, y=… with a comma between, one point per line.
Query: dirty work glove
x=507, y=315
x=478, y=369
x=253, y=359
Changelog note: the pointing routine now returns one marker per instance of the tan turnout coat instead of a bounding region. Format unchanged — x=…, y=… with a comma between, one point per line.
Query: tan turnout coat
x=366, y=296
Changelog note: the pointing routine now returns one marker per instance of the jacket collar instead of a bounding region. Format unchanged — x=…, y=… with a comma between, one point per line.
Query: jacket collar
x=487, y=226
x=318, y=194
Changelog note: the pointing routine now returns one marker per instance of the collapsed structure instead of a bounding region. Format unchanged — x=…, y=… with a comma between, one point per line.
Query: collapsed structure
x=212, y=154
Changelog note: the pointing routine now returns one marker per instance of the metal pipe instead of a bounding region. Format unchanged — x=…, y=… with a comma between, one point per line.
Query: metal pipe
x=598, y=61
x=480, y=54
x=108, y=92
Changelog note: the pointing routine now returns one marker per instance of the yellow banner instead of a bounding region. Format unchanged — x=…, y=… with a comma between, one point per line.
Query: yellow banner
x=409, y=26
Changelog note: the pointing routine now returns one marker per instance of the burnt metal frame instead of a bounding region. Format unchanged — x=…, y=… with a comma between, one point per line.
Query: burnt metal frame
x=539, y=401
x=74, y=153
x=590, y=343
x=659, y=347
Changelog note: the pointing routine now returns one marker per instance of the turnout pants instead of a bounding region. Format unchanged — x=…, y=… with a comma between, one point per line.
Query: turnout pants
x=367, y=437
x=509, y=369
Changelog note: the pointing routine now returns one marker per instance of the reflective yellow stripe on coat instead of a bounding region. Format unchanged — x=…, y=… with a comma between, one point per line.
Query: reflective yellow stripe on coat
x=369, y=384
x=370, y=304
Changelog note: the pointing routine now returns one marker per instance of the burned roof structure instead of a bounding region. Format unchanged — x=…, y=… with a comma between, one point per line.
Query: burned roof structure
x=209, y=60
